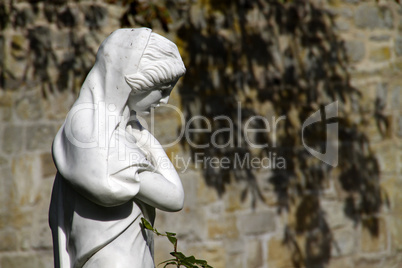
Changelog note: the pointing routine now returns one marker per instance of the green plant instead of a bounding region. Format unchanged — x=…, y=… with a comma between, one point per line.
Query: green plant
x=179, y=260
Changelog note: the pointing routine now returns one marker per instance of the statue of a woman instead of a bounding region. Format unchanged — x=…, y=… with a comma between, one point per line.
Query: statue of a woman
x=111, y=170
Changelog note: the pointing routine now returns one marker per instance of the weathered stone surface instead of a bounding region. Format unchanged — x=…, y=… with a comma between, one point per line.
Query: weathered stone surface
x=257, y=223
x=6, y=183
x=233, y=199
x=29, y=107
x=47, y=165
x=355, y=50
x=205, y=194
x=3, y=161
x=214, y=254
x=27, y=261
x=387, y=159
x=12, y=139
x=344, y=242
x=398, y=45
x=279, y=255
x=341, y=263
x=380, y=38
x=367, y=263
x=334, y=213
x=380, y=54
x=41, y=237
x=235, y=260
x=342, y=25
x=223, y=228
x=254, y=254
x=375, y=242
x=6, y=103
x=26, y=184
x=372, y=16
x=19, y=46
x=40, y=137
x=8, y=240
x=95, y=15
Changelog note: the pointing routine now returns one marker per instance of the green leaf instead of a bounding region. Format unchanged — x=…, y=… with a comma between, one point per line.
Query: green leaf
x=201, y=262
x=170, y=234
x=179, y=255
x=146, y=224
x=190, y=259
x=172, y=240
x=170, y=263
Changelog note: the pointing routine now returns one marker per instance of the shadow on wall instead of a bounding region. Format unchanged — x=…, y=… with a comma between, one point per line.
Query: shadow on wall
x=37, y=44
x=276, y=59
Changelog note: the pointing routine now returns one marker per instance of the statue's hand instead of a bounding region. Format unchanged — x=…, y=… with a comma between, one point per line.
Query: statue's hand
x=149, y=144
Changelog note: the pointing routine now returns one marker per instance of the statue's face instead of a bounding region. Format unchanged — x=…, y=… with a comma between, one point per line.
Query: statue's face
x=144, y=101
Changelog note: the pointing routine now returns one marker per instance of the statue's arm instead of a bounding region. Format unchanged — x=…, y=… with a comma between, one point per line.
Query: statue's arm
x=163, y=189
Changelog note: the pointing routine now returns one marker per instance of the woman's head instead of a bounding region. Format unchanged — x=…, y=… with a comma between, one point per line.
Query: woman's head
x=159, y=69
x=159, y=65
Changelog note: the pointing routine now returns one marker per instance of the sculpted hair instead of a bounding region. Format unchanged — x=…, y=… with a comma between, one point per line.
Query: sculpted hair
x=160, y=63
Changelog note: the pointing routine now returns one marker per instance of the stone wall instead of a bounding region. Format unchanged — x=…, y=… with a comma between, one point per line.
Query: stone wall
x=274, y=59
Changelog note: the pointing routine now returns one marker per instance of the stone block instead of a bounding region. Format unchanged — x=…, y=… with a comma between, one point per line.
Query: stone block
x=340, y=263
x=396, y=231
x=398, y=45
x=39, y=260
x=256, y=223
x=12, y=139
x=3, y=162
x=96, y=16
x=205, y=194
x=233, y=198
x=334, y=213
x=355, y=50
x=372, y=243
x=40, y=137
x=190, y=224
x=254, y=254
x=380, y=54
x=19, y=46
x=6, y=184
x=8, y=240
x=41, y=236
x=279, y=254
x=223, y=228
x=47, y=165
x=342, y=25
x=6, y=103
x=214, y=254
x=368, y=263
x=386, y=154
x=234, y=260
x=344, y=242
x=395, y=98
x=380, y=38
x=29, y=107
x=373, y=16
x=26, y=183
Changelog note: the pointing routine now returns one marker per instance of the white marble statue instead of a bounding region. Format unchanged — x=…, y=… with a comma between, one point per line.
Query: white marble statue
x=111, y=170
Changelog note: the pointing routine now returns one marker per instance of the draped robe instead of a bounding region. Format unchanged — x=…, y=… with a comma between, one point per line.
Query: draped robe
x=94, y=215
